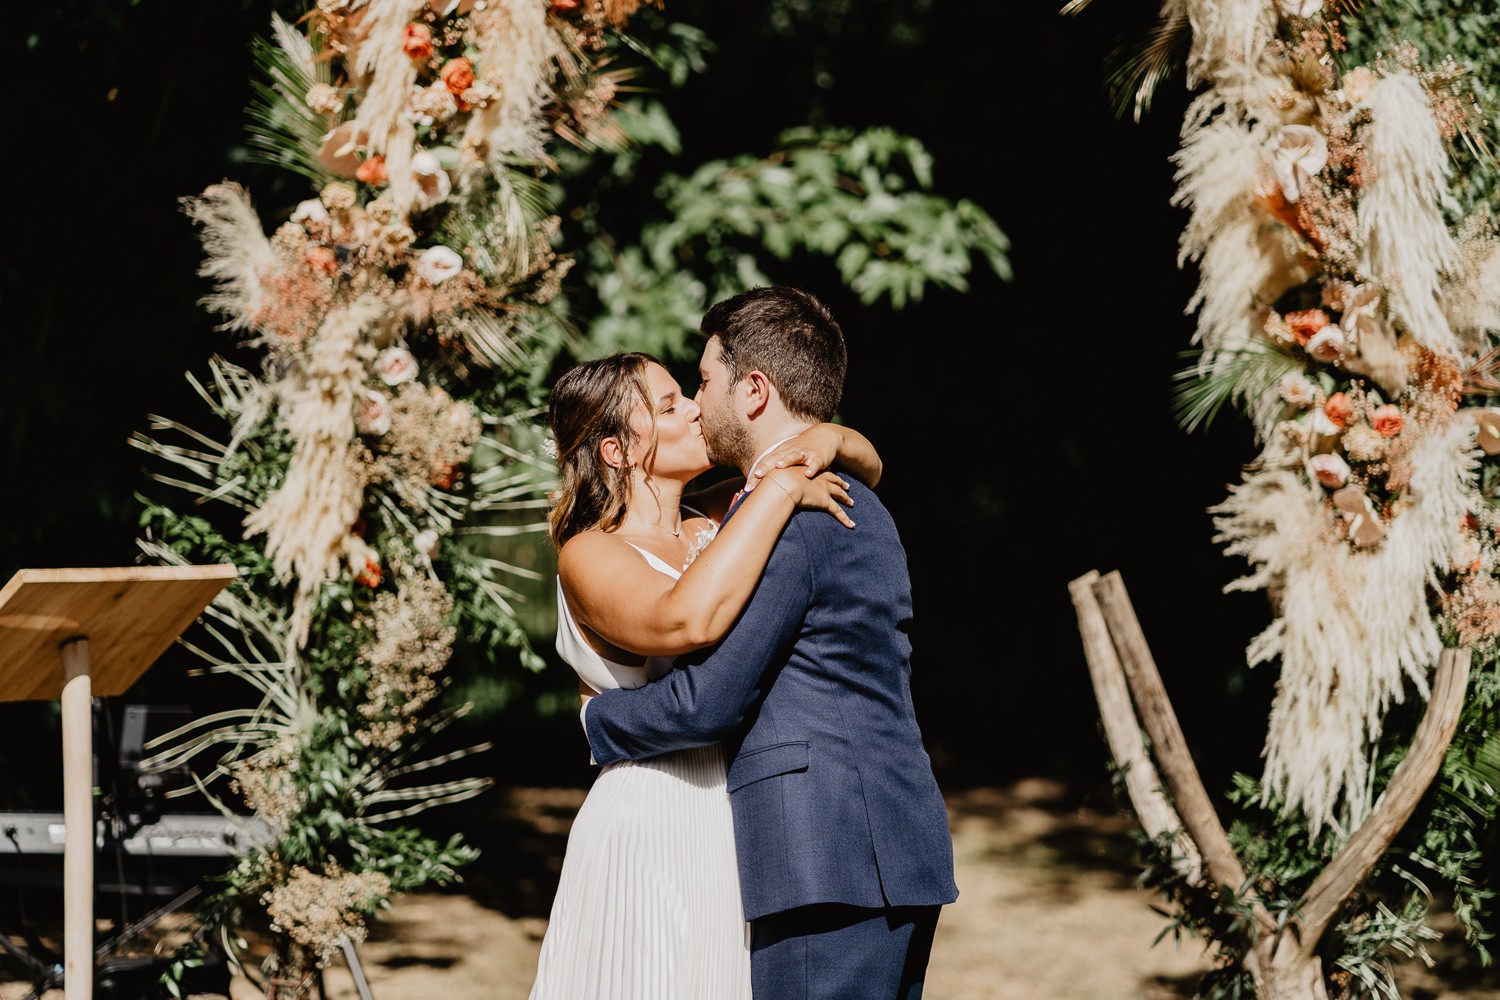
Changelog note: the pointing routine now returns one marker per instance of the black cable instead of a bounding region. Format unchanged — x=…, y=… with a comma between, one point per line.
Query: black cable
x=114, y=819
x=40, y=969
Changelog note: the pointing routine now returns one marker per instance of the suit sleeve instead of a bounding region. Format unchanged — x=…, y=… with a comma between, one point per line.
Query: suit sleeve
x=705, y=698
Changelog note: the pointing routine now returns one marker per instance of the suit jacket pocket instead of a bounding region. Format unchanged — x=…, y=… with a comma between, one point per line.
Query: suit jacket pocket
x=767, y=762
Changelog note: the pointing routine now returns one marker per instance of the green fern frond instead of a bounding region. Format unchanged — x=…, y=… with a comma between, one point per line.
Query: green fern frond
x=1243, y=374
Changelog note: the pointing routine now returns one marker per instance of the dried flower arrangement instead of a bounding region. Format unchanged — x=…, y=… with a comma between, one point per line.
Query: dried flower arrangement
x=401, y=316
x=1349, y=305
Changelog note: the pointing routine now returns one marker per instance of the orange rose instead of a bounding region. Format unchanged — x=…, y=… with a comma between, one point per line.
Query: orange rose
x=370, y=577
x=372, y=171
x=322, y=259
x=457, y=75
x=1338, y=409
x=1305, y=323
x=1387, y=420
x=418, y=41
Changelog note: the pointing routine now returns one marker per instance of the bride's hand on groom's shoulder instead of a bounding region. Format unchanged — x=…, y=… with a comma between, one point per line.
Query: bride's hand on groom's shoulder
x=826, y=491
x=810, y=452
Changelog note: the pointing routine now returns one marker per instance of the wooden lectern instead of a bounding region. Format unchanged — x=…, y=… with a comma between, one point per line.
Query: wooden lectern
x=71, y=633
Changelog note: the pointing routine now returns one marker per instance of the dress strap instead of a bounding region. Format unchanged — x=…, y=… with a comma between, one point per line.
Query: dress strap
x=656, y=562
x=700, y=513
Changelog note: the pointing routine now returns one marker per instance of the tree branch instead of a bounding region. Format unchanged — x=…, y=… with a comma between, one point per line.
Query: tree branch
x=1122, y=731
x=1169, y=746
x=1410, y=782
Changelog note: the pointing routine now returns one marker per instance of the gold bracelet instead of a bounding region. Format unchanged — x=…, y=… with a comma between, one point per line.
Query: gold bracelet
x=784, y=490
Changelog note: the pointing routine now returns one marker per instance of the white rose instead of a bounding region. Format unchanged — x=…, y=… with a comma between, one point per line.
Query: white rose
x=1298, y=390
x=1300, y=8
x=427, y=543
x=1330, y=470
x=310, y=213
x=374, y=416
x=1302, y=152
x=1327, y=344
x=396, y=365
x=438, y=264
x=432, y=180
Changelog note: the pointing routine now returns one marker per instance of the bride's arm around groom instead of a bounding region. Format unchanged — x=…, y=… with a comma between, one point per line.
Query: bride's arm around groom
x=841, y=832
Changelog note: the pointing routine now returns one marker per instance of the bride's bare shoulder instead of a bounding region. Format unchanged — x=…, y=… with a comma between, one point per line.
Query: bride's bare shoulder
x=590, y=550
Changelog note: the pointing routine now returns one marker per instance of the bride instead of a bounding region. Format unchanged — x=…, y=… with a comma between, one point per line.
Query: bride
x=648, y=905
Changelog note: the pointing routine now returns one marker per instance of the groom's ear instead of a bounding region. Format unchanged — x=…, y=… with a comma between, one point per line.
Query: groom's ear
x=612, y=454
x=758, y=393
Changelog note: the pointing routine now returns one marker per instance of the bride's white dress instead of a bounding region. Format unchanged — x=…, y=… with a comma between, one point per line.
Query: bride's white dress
x=648, y=906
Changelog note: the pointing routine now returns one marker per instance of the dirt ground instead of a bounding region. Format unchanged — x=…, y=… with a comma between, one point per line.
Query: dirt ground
x=1048, y=911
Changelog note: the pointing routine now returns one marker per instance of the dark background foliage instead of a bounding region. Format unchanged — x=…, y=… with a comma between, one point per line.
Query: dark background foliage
x=1026, y=427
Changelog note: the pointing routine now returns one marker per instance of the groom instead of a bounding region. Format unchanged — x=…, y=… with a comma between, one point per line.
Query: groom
x=842, y=836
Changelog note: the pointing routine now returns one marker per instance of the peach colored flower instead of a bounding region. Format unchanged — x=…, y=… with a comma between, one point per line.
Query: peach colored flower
x=395, y=366
x=418, y=41
x=370, y=575
x=372, y=171
x=1338, y=409
x=1306, y=322
x=1330, y=470
x=322, y=259
x=457, y=75
x=438, y=264
x=1327, y=344
x=1297, y=390
x=374, y=413
x=1387, y=420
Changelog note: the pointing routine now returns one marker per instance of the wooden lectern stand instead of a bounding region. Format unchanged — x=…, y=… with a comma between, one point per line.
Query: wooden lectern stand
x=70, y=634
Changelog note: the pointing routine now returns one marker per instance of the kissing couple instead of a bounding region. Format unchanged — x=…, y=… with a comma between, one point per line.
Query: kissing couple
x=744, y=660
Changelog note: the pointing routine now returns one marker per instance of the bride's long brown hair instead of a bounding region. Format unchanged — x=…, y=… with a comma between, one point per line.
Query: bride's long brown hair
x=593, y=401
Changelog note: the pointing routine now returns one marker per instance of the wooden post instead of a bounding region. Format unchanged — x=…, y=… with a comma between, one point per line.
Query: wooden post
x=1283, y=960
x=1122, y=731
x=78, y=818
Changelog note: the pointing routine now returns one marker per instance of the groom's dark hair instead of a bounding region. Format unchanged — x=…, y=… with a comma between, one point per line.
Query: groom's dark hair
x=791, y=337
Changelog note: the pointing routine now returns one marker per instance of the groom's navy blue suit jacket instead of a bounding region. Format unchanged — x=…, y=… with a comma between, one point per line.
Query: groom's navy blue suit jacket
x=833, y=794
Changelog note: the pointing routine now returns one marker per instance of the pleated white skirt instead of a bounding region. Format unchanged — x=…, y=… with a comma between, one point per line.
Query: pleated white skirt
x=648, y=906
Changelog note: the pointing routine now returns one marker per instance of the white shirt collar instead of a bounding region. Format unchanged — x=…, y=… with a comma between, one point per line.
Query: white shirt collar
x=750, y=485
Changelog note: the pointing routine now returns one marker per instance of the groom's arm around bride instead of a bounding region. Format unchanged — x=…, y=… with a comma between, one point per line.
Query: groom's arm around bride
x=841, y=832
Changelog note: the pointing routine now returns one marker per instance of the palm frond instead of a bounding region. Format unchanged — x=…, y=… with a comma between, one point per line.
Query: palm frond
x=1245, y=374
x=1138, y=68
x=497, y=232
x=284, y=131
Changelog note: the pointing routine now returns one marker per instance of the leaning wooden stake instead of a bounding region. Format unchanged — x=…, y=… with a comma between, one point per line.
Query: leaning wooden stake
x=1122, y=731
x=1283, y=961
